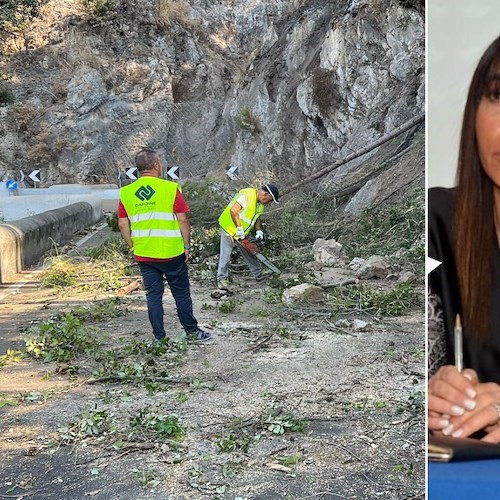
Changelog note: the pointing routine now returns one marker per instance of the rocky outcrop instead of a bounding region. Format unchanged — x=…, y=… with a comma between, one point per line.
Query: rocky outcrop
x=275, y=88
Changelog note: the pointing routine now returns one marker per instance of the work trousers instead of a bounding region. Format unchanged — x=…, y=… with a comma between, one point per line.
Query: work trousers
x=176, y=273
x=226, y=247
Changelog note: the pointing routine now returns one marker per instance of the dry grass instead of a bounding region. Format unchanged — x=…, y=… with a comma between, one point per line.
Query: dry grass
x=168, y=11
x=263, y=176
x=60, y=90
x=24, y=115
x=40, y=153
x=325, y=93
x=81, y=50
x=60, y=144
x=135, y=73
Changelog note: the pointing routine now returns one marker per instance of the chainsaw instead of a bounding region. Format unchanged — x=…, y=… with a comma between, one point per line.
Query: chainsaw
x=253, y=249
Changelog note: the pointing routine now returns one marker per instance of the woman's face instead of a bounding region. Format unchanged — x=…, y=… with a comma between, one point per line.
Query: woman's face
x=488, y=136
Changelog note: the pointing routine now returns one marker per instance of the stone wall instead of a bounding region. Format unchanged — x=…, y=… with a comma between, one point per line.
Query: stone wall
x=23, y=242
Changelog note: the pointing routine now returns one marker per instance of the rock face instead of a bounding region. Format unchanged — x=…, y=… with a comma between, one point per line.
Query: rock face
x=275, y=88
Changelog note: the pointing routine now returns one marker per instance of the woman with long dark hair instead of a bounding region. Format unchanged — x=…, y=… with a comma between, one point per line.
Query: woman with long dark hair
x=464, y=235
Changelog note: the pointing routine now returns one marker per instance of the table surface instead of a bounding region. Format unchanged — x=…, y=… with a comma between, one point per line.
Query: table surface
x=464, y=480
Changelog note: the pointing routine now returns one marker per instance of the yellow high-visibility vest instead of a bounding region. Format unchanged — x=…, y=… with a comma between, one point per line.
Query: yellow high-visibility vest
x=149, y=202
x=248, y=216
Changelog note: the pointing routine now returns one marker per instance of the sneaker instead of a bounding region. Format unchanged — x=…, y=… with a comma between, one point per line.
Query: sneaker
x=150, y=344
x=224, y=284
x=199, y=336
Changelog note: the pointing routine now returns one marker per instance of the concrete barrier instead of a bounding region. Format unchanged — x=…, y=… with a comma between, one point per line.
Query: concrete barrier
x=17, y=207
x=23, y=242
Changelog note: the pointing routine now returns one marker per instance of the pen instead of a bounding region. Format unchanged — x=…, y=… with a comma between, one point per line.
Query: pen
x=459, y=348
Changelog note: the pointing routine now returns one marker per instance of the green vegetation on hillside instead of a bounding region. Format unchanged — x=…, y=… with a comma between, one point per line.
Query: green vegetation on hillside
x=16, y=15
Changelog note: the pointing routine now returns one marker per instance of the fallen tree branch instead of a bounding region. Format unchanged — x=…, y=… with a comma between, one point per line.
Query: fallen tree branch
x=134, y=285
x=129, y=378
x=256, y=347
x=403, y=128
x=9, y=32
x=21, y=495
x=347, y=281
x=323, y=493
x=341, y=330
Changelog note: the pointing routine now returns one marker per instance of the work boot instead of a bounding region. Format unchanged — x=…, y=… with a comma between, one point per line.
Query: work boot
x=263, y=276
x=151, y=344
x=224, y=285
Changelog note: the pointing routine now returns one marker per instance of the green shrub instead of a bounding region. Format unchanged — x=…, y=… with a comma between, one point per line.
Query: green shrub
x=16, y=15
x=89, y=423
x=361, y=297
x=100, y=311
x=99, y=8
x=6, y=96
x=11, y=356
x=239, y=441
x=153, y=426
x=62, y=273
x=246, y=119
x=279, y=424
x=385, y=230
x=206, y=201
x=112, y=222
x=228, y=306
x=113, y=249
x=60, y=339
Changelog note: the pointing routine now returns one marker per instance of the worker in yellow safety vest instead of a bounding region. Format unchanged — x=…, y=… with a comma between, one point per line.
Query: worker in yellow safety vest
x=238, y=219
x=153, y=221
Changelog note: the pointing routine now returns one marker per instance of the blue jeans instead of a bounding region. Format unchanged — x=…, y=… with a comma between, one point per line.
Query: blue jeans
x=176, y=273
x=226, y=247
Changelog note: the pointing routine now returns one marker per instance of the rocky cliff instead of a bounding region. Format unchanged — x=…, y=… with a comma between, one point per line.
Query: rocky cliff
x=279, y=89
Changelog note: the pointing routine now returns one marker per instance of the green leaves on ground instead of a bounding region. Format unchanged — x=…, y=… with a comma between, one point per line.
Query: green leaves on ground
x=279, y=424
x=11, y=356
x=110, y=262
x=89, y=423
x=364, y=298
x=62, y=273
x=60, y=339
x=243, y=436
x=151, y=425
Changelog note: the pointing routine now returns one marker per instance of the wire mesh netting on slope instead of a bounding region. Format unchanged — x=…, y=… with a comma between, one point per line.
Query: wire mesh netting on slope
x=174, y=132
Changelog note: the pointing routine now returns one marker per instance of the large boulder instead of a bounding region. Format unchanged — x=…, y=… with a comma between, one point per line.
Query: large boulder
x=374, y=267
x=328, y=252
x=303, y=293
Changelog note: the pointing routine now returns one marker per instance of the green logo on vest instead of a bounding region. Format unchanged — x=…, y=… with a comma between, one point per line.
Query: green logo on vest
x=145, y=193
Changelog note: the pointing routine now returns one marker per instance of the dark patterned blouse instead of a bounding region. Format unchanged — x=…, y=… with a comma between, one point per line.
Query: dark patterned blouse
x=444, y=298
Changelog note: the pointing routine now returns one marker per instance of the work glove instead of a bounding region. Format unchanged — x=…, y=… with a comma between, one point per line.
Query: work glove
x=259, y=235
x=240, y=234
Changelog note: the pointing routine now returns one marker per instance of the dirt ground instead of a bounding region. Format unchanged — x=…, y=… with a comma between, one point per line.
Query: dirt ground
x=357, y=394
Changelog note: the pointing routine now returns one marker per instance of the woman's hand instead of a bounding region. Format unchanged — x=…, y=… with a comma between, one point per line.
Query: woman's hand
x=484, y=417
x=450, y=394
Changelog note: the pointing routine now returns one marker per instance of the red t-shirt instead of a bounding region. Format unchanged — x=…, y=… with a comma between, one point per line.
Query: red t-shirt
x=180, y=207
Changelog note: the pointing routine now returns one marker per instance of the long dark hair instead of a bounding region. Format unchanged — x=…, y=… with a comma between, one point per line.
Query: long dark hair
x=474, y=225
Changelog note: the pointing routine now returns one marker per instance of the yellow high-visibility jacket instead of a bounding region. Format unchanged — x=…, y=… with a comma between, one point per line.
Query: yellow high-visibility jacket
x=149, y=202
x=248, y=216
